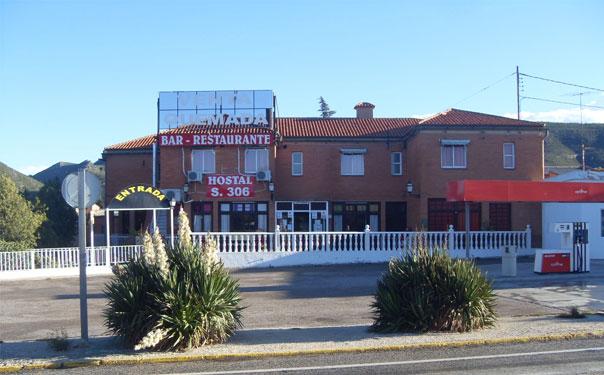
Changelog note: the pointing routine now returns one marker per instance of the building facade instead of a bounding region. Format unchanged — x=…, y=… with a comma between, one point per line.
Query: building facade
x=335, y=174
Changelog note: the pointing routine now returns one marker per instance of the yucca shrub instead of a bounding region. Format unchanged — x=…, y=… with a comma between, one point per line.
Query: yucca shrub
x=429, y=291
x=173, y=299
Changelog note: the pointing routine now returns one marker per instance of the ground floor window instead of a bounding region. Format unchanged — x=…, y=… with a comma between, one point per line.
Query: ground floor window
x=244, y=217
x=500, y=216
x=301, y=216
x=353, y=216
x=441, y=214
x=396, y=216
x=201, y=213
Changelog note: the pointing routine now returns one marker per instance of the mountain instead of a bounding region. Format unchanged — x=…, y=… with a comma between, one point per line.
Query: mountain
x=22, y=181
x=563, y=144
x=61, y=169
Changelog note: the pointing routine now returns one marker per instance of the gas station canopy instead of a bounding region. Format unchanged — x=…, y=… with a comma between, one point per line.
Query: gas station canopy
x=523, y=191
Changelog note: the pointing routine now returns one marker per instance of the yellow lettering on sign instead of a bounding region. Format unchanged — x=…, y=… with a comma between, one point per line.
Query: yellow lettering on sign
x=119, y=197
x=149, y=190
x=140, y=188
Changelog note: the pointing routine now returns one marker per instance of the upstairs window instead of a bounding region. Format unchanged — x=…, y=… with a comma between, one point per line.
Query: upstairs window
x=396, y=163
x=509, y=156
x=203, y=161
x=256, y=159
x=453, y=153
x=297, y=164
x=352, y=161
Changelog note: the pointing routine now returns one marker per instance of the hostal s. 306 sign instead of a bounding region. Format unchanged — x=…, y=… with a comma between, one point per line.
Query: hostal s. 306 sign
x=230, y=186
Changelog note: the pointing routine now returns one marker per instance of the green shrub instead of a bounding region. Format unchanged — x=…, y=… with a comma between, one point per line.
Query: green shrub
x=173, y=299
x=431, y=292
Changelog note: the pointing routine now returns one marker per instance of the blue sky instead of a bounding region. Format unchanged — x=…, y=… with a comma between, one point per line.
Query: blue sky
x=76, y=76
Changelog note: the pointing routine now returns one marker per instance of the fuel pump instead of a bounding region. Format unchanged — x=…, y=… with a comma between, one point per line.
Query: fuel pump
x=572, y=254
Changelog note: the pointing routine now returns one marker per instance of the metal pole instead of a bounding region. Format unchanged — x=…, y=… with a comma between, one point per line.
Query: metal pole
x=83, y=261
x=154, y=220
x=92, y=254
x=107, y=238
x=172, y=227
x=518, y=91
x=467, y=220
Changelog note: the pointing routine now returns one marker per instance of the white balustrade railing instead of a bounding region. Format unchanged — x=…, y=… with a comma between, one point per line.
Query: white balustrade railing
x=255, y=242
x=65, y=257
x=282, y=242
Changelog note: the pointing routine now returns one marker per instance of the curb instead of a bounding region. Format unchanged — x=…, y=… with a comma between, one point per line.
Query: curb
x=233, y=356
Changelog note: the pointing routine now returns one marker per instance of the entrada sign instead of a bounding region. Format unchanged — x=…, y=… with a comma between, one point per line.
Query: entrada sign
x=231, y=186
x=139, y=196
x=156, y=193
x=215, y=139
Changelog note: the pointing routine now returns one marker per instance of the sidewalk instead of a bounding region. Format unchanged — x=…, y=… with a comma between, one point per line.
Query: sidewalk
x=528, y=306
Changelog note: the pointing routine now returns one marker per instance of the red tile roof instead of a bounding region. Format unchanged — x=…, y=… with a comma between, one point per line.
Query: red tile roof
x=134, y=144
x=344, y=127
x=316, y=127
x=454, y=116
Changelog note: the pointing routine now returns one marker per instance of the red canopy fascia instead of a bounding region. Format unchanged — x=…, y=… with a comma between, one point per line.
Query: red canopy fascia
x=523, y=191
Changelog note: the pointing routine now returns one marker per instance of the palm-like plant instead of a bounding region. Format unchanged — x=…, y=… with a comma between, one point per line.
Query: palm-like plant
x=173, y=299
x=427, y=291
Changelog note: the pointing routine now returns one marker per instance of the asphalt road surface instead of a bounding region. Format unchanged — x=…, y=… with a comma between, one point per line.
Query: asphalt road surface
x=566, y=357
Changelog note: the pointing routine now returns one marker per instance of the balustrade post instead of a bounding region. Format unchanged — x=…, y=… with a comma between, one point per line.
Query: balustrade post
x=367, y=243
x=451, y=238
x=529, y=237
x=277, y=242
x=33, y=259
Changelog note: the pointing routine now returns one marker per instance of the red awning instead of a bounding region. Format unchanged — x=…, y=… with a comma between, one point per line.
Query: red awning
x=524, y=191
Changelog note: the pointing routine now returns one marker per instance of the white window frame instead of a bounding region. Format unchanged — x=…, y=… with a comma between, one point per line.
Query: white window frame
x=510, y=156
x=299, y=163
x=204, y=168
x=452, y=144
x=394, y=164
x=256, y=152
x=356, y=158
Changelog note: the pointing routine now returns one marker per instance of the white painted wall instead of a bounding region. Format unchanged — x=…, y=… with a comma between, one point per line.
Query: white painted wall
x=570, y=212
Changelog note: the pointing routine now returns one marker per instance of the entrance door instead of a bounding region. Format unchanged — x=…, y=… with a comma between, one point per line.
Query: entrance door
x=301, y=222
x=396, y=216
x=441, y=214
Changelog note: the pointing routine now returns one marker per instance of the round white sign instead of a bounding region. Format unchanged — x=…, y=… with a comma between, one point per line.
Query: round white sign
x=92, y=189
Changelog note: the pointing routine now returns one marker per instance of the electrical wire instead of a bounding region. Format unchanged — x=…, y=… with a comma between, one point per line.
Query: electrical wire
x=561, y=83
x=561, y=102
x=485, y=88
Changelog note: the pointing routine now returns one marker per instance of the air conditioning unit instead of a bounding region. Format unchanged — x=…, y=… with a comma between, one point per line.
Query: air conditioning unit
x=173, y=193
x=194, y=176
x=263, y=175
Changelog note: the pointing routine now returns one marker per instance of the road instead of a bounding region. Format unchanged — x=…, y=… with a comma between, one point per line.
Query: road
x=566, y=357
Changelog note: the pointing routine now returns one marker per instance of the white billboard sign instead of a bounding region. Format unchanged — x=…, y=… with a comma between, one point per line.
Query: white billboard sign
x=230, y=107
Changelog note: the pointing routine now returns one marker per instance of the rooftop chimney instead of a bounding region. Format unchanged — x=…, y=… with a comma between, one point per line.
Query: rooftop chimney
x=364, y=110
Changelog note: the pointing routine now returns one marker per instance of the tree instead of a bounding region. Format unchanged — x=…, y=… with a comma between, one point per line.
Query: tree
x=324, y=108
x=19, y=223
x=60, y=228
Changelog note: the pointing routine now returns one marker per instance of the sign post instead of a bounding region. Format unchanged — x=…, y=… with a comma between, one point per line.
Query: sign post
x=83, y=260
x=81, y=191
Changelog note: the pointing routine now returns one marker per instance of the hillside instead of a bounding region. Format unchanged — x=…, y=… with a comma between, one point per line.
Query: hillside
x=563, y=144
x=22, y=181
x=61, y=169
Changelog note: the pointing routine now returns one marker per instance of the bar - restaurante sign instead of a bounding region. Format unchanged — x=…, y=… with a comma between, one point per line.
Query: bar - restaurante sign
x=215, y=139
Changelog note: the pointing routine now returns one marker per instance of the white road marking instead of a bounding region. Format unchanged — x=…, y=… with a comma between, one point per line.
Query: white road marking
x=398, y=363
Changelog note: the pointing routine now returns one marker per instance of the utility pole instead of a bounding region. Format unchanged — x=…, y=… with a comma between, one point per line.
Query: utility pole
x=518, y=91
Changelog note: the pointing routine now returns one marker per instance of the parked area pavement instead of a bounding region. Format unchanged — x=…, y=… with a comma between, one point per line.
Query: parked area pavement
x=301, y=310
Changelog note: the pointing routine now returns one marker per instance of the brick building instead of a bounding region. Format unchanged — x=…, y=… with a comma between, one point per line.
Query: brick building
x=339, y=174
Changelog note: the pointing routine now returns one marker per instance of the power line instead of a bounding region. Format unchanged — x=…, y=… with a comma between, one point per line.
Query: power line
x=560, y=102
x=561, y=83
x=485, y=88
